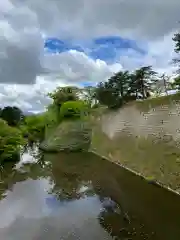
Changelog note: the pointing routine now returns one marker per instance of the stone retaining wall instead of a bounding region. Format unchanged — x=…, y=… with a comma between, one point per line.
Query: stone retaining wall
x=144, y=141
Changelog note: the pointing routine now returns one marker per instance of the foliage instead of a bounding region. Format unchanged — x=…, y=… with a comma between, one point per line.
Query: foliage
x=73, y=109
x=10, y=140
x=144, y=80
x=108, y=96
x=64, y=94
x=176, y=40
x=12, y=115
x=34, y=127
x=176, y=83
x=125, y=86
x=89, y=95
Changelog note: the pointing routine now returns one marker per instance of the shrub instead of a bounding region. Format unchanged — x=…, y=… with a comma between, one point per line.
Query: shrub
x=73, y=109
x=11, y=140
x=34, y=127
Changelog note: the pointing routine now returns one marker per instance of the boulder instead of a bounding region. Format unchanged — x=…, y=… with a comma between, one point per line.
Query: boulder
x=69, y=136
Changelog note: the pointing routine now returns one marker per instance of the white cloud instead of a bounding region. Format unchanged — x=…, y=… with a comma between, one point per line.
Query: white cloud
x=69, y=68
x=24, y=24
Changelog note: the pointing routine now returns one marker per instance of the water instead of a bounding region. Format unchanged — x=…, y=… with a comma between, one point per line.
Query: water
x=81, y=196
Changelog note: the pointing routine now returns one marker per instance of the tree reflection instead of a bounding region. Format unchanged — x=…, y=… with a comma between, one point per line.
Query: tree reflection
x=114, y=220
x=69, y=180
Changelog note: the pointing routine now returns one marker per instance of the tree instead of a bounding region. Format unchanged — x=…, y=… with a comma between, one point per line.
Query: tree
x=143, y=80
x=89, y=95
x=176, y=40
x=166, y=82
x=11, y=141
x=120, y=81
x=116, y=90
x=62, y=95
x=12, y=115
x=108, y=95
x=176, y=83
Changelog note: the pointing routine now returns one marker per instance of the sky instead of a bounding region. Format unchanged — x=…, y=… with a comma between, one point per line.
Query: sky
x=45, y=44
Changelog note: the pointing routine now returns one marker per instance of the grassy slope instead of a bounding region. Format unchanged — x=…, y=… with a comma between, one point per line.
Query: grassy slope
x=158, y=101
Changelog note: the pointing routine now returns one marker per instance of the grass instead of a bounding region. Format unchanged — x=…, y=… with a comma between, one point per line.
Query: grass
x=148, y=104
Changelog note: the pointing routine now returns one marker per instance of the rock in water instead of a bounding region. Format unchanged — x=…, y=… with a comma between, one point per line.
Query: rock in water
x=69, y=136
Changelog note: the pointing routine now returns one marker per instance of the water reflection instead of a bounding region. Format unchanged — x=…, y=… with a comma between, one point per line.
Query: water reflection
x=79, y=196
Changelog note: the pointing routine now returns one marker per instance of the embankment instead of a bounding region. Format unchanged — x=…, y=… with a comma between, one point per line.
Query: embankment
x=143, y=136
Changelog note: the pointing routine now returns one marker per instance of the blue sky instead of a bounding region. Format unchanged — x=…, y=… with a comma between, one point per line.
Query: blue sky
x=107, y=48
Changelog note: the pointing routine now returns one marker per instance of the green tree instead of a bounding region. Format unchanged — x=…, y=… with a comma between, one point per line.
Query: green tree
x=120, y=81
x=176, y=83
x=62, y=95
x=89, y=95
x=176, y=40
x=12, y=115
x=108, y=94
x=144, y=80
x=11, y=140
x=117, y=90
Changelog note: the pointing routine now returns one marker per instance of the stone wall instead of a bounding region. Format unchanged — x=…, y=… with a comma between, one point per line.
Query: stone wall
x=146, y=141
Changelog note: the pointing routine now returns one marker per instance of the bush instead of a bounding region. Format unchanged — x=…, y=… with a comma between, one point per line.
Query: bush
x=73, y=109
x=34, y=127
x=11, y=140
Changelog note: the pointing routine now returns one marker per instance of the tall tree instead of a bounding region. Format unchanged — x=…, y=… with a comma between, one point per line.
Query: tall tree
x=176, y=40
x=120, y=81
x=108, y=94
x=144, y=79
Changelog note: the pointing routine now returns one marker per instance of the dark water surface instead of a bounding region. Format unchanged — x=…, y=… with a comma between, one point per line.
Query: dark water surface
x=81, y=196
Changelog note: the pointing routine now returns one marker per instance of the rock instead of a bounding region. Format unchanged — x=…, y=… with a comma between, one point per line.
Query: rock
x=69, y=136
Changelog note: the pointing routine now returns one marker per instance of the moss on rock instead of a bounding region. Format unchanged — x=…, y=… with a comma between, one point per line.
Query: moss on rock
x=69, y=136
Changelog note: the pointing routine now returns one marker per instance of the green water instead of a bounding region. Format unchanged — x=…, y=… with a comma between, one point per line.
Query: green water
x=81, y=196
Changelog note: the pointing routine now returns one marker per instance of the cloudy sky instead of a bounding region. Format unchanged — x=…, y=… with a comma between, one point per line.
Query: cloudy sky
x=47, y=43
